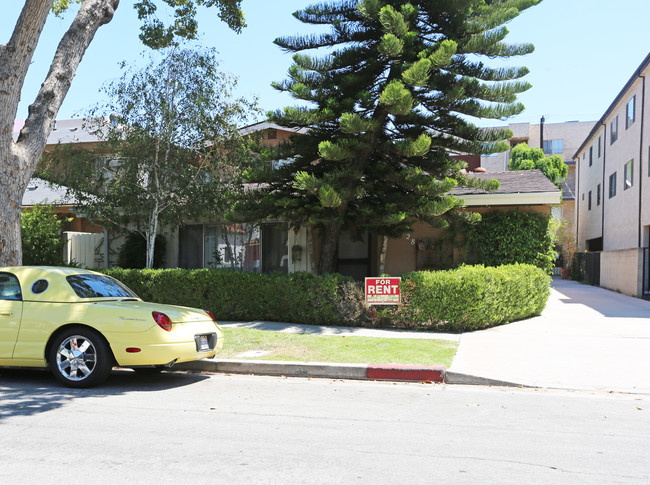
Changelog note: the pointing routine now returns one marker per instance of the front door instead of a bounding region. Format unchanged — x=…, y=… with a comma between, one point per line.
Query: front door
x=11, y=310
x=354, y=255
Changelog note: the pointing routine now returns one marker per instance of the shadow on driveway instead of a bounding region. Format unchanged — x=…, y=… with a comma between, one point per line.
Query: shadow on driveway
x=606, y=302
x=29, y=392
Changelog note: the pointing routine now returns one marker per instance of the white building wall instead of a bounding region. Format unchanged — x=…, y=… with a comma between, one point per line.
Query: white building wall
x=622, y=211
x=588, y=179
x=644, y=155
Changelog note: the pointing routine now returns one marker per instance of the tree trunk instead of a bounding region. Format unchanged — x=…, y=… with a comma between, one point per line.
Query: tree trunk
x=18, y=159
x=11, y=251
x=150, y=233
x=382, y=255
x=329, y=245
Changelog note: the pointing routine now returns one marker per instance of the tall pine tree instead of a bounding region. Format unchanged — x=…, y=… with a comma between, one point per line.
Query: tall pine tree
x=387, y=101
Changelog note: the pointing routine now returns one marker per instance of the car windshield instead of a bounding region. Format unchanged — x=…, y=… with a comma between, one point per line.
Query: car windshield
x=98, y=286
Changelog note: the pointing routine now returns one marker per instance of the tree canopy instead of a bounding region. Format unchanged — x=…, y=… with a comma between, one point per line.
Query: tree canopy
x=523, y=157
x=18, y=158
x=174, y=151
x=386, y=102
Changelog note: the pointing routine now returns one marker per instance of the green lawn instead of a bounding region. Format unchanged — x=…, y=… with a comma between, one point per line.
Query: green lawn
x=267, y=345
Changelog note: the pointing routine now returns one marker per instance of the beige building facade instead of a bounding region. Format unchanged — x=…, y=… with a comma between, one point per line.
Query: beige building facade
x=612, y=197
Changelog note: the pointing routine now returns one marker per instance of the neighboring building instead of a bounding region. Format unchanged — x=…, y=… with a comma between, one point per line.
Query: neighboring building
x=613, y=204
x=43, y=193
x=87, y=244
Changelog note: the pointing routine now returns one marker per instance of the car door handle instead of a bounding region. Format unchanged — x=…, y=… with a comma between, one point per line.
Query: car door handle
x=10, y=314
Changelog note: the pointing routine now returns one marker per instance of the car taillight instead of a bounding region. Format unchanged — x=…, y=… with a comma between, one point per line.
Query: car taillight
x=211, y=316
x=162, y=320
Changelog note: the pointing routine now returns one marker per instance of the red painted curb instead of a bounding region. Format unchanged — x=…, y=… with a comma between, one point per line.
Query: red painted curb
x=405, y=373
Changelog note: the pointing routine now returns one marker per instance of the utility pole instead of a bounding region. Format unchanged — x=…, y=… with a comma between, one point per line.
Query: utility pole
x=541, y=133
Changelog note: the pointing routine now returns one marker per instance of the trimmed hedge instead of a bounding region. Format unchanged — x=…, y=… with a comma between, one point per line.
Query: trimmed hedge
x=470, y=297
x=467, y=298
x=232, y=295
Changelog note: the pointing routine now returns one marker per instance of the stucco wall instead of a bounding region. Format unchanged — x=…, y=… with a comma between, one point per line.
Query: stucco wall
x=590, y=178
x=404, y=254
x=622, y=270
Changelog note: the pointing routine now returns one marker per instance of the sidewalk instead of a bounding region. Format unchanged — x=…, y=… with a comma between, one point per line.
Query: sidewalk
x=586, y=338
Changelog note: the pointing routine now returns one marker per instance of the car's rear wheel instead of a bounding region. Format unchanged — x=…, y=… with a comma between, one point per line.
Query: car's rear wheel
x=80, y=357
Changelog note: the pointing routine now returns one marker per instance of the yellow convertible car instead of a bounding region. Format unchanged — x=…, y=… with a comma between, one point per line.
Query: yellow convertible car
x=81, y=323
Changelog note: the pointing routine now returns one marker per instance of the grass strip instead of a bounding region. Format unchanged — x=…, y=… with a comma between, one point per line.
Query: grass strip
x=265, y=345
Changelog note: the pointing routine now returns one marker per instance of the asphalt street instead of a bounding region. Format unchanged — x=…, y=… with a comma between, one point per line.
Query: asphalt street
x=216, y=428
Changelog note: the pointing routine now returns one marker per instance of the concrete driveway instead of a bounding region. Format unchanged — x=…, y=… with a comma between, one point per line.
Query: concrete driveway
x=586, y=338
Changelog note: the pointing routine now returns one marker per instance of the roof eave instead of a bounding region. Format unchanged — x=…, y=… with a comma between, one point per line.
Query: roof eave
x=533, y=198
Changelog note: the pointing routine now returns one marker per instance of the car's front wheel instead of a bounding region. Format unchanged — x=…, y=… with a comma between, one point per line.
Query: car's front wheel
x=80, y=357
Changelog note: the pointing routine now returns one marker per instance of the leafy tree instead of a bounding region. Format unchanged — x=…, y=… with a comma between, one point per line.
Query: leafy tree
x=41, y=242
x=18, y=159
x=173, y=152
x=524, y=157
x=387, y=101
x=513, y=237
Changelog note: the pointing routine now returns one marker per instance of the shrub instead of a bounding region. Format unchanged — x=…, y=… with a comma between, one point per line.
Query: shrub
x=232, y=295
x=41, y=237
x=468, y=298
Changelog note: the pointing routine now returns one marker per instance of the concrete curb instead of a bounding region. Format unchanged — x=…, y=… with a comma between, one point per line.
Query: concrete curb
x=405, y=373
x=469, y=380
x=396, y=373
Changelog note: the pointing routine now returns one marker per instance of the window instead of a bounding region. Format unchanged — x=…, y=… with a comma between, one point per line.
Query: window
x=613, y=130
x=628, y=175
x=599, y=146
x=629, y=113
x=98, y=286
x=589, y=201
x=591, y=156
x=553, y=146
x=272, y=134
x=239, y=247
x=612, y=185
x=598, y=195
x=39, y=287
x=9, y=287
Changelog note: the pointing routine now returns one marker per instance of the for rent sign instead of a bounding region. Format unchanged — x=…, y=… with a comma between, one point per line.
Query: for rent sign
x=383, y=291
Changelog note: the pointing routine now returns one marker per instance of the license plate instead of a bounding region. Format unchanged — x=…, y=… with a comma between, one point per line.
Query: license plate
x=204, y=343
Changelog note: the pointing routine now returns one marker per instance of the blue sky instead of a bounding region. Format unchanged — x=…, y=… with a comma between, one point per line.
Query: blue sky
x=585, y=51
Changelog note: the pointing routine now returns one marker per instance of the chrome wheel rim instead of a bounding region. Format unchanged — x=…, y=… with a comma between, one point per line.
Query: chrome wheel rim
x=76, y=358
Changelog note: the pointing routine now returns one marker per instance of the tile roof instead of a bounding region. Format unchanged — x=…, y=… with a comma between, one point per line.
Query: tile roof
x=77, y=130
x=41, y=192
x=512, y=182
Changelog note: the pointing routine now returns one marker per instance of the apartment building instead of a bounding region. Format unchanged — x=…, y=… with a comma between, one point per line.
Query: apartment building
x=612, y=199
